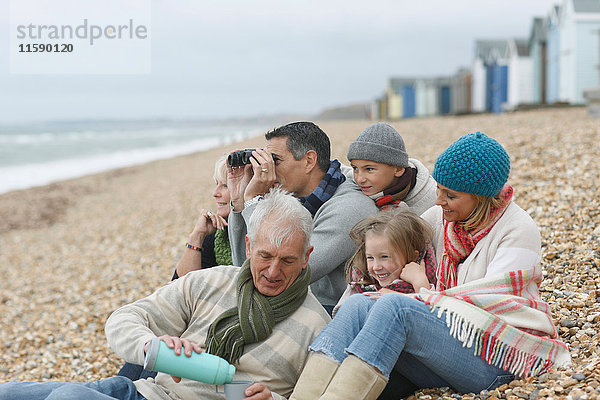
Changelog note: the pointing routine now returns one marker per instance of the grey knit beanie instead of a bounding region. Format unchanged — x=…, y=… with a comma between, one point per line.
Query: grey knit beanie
x=380, y=143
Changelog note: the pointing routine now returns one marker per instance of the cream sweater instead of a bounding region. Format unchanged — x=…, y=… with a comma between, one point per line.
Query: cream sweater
x=513, y=243
x=186, y=308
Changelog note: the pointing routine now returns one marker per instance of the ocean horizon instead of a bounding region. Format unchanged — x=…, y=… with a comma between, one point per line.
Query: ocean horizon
x=38, y=154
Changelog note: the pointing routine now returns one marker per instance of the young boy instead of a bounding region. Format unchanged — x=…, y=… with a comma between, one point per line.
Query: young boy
x=384, y=172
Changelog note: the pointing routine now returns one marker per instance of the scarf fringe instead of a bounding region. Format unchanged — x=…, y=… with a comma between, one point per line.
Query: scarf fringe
x=495, y=351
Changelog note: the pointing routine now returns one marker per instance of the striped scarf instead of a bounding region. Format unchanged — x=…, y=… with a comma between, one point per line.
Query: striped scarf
x=363, y=284
x=326, y=188
x=503, y=320
x=394, y=195
x=460, y=242
x=255, y=315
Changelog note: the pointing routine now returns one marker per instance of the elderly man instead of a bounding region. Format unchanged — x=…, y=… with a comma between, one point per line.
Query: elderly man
x=266, y=305
x=297, y=157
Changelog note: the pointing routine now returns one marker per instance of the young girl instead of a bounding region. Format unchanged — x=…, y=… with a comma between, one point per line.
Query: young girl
x=394, y=249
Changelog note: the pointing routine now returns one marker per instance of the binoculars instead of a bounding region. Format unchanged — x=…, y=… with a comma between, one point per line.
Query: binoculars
x=242, y=157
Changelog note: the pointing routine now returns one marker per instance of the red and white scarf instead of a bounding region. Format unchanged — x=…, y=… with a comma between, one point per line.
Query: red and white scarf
x=460, y=242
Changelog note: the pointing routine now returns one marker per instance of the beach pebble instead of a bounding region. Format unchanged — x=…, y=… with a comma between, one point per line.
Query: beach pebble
x=579, y=376
x=74, y=251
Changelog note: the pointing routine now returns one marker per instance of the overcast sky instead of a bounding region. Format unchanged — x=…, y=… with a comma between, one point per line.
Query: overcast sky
x=248, y=57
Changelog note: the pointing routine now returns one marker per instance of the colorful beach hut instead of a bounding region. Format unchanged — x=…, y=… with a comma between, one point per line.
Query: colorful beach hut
x=403, y=90
x=489, y=76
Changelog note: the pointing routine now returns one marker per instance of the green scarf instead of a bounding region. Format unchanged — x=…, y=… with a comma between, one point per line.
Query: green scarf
x=255, y=315
x=222, y=248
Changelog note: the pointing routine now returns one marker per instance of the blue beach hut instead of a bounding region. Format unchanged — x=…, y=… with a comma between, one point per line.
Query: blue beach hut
x=489, y=76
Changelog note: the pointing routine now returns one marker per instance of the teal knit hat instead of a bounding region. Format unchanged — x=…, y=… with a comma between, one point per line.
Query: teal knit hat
x=475, y=164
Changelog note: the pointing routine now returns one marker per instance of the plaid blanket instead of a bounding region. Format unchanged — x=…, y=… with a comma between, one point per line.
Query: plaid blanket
x=502, y=318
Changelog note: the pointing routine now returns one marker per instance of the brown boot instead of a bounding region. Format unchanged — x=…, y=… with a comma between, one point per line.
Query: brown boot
x=356, y=380
x=315, y=377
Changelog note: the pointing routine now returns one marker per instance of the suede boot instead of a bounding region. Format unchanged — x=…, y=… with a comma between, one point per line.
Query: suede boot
x=315, y=377
x=356, y=380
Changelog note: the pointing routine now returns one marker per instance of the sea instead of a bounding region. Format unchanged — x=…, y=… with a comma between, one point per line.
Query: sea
x=37, y=154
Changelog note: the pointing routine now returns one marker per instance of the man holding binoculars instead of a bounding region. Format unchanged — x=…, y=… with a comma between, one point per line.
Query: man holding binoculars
x=297, y=157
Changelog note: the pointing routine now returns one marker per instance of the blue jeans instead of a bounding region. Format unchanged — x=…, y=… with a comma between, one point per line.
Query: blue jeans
x=135, y=372
x=117, y=387
x=398, y=333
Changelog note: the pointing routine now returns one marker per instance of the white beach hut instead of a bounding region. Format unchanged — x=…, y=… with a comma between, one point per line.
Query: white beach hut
x=426, y=97
x=537, y=52
x=579, y=58
x=461, y=92
x=553, y=23
x=520, y=74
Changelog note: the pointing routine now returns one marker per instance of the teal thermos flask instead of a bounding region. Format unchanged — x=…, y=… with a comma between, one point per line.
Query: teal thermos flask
x=201, y=367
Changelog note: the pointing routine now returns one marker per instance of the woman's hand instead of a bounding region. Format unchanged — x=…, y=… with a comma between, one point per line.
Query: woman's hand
x=237, y=182
x=207, y=224
x=414, y=274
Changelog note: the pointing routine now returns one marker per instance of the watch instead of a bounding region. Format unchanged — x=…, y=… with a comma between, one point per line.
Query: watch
x=253, y=201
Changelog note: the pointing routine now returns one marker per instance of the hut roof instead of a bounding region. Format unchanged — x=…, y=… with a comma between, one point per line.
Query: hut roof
x=586, y=6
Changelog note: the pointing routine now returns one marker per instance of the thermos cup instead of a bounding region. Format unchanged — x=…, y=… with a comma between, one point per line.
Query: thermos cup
x=201, y=367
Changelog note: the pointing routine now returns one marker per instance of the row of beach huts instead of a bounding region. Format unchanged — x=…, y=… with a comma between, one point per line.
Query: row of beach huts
x=555, y=65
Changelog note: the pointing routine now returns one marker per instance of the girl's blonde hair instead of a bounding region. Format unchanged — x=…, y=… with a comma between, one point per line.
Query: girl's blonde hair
x=481, y=215
x=406, y=232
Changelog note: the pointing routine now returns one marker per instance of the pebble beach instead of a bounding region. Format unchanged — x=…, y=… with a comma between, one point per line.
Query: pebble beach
x=74, y=251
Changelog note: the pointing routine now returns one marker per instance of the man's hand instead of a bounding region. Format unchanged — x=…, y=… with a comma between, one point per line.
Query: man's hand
x=264, y=176
x=176, y=343
x=258, y=391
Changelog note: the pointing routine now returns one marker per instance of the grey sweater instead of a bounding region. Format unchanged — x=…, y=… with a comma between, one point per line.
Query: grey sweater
x=330, y=238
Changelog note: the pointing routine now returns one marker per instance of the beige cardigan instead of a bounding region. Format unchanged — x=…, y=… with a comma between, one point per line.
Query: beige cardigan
x=186, y=308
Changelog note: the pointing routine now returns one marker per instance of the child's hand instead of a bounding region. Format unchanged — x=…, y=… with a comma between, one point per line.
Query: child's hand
x=414, y=274
x=386, y=290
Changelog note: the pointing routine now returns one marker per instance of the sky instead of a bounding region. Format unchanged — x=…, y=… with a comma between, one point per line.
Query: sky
x=242, y=58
